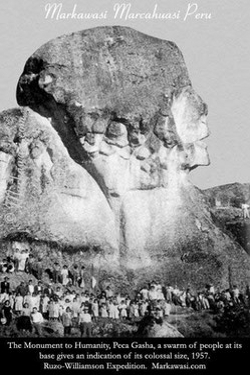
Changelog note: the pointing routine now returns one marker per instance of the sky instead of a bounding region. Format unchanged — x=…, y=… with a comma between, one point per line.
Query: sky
x=216, y=49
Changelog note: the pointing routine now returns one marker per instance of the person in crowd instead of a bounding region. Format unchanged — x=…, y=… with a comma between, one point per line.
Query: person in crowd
x=75, y=307
x=26, y=311
x=95, y=309
x=48, y=289
x=123, y=309
x=11, y=298
x=108, y=292
x=158, y=316
x=39, y=269
x=31, y=287
x=18, y=304
x=152, y=294
x=28, y=299
x=21, y=288
x=3, y=265
x=144, y=293
x=5, y=286
x=85, y=323
x=36, y=320
x=75, y=272
x=54, y=309
x=10, y=267
x=58, y=292
x=38, y=288
x=44, y=305
x=6, y=313
x=30, y=265
x=16, y=258
x=143, y=306
x=245, y=210
x=67, y=321
x=112, y=310
x=236, y=294
x=176, y=292
x=81, y=281
x=65, y=275
x=169, y=291
x=23, y=321
x=22, y=258
x=56, y=273
x=189, y=298
x=103, y=310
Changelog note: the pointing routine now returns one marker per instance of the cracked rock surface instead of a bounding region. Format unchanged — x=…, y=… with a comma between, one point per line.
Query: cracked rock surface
x=125, y=109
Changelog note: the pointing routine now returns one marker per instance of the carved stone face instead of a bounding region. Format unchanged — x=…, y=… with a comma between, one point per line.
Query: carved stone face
x=125, y=110
x=190, y=117
x=132, y=157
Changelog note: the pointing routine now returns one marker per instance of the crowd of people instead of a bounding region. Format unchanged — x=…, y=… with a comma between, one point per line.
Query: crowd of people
x=67, y=299
x=24, y=261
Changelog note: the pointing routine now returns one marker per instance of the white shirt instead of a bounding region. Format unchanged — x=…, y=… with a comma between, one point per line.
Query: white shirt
x=152, y=294
x=37, y=317
x=84, y=318
x=31, y=288
x=144, y=293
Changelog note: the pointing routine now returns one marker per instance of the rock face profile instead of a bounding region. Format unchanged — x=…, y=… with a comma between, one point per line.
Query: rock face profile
x=114, y=112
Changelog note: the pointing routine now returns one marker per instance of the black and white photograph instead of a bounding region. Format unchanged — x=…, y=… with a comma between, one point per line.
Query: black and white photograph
x=125, y=185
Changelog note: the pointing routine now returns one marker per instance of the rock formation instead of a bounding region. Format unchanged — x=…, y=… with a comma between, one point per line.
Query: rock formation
x=226, y=208
x=46, y=194
x=229, y=195
x=133, y=126
x=164, y=330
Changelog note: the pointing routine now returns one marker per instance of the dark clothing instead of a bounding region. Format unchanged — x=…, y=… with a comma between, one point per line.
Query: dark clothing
x=86, y=329
x=67, y=330
x=38, y=289
x=75, y=276
x=6, y=313
x=23, y=322
x=22, y=290
x=39, y=270
x=5, y=287
x=48, y=291
x=10, y=265
x=176, y=300
x=189, y=299
x=37, y=328
x=158, y=320
x=164, y=291
x=56, y=276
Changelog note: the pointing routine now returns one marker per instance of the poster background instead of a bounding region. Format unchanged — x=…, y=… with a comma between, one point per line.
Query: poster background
x=216, y=51
x=217, y=54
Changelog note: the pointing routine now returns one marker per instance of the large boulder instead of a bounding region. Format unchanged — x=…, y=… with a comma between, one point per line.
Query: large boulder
x=164, y=330
x=124, y=107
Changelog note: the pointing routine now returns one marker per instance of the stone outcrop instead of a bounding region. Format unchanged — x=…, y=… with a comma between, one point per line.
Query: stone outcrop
x=133, y=126
x=164, y=330
x=229, y=195
x=46, y=193
x=226, y=208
